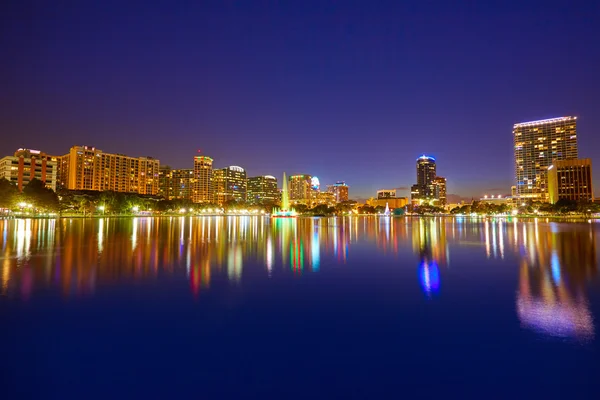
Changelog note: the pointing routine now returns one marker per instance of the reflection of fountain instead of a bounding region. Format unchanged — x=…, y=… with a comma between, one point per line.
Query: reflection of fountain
x=285, y=211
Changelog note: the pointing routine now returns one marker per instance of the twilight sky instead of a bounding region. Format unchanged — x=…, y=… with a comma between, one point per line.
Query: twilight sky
x=345, y=90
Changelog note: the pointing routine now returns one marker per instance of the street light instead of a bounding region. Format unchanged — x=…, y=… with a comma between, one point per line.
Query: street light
x=102, y=208
x=135, y=208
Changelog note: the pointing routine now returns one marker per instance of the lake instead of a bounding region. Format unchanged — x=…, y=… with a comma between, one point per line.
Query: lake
x=249, y=307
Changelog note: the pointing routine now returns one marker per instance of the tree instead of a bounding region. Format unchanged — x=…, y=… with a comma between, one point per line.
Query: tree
x=8, y=194
x=36, y=193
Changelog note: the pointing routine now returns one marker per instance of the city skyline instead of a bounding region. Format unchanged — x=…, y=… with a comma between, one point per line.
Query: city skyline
x=305, y=88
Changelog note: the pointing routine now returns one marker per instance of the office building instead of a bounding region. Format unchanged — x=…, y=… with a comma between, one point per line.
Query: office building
x=202, y=184
x=386, y=194
x=175, y=183
x=89, y=168
x=300, y=187
x=62, y=171
x=26, y=165
x=263, y=190
x=426, y=173
x=427, y=189
x=327, y=198
x=424, y=189
x=391, y=202
x=339, y=191
x=537, y=145
x=570, y=180
x=229, y=183
x=439, y=185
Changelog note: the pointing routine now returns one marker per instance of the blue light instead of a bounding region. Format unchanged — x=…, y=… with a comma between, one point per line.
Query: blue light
x=429, y=277
x=424, y=157
x=555, y=266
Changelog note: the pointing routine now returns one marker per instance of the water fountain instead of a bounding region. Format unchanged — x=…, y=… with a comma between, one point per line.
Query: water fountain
x=386, y=213
x=285, y=211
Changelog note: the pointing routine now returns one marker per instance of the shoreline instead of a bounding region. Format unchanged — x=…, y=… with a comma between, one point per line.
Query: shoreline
x=564, y=218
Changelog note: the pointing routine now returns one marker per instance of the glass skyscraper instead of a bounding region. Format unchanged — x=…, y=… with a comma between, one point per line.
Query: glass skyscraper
x=537, y=145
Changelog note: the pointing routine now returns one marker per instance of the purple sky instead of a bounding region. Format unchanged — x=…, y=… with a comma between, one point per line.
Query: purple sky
x=345, y=90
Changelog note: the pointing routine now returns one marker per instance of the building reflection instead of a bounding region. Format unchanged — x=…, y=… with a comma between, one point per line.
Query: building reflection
x=78, y=257
x=430, y=243
x=555, y=266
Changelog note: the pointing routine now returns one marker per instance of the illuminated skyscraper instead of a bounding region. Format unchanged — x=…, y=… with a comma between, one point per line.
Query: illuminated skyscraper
x=300, y=187
x=339, y=191
x=262, y=189
x=201, y=186
x=537, y=144
x=229, y=183
x=570, y=180
x=92, y=169
x=424, y=190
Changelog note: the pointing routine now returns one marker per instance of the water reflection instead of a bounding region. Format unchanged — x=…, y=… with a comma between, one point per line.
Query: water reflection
x=556, y=264
x=553, y=262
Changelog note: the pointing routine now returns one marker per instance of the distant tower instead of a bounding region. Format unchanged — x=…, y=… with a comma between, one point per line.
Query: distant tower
x=424, y=189
x=426, y=173
x=537, y=145
x=201, y=187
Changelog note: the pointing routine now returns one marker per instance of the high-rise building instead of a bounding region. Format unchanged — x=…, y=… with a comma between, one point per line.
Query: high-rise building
x=91, y=169
x=439, y=184
x=164, y=181
x=570, y=180
x=62, y=171
x=537, y=145
x=229, y=183
x=175, y=183
x=202, y=185
x=218, y=187
x=339, y=191
x=426, y=173
x=300, y=187
x=262, y=189
x=26, y=165
x=424, y=189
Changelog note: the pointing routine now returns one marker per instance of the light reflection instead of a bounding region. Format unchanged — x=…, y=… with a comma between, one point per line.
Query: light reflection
x=555, y=261
x=552, y=281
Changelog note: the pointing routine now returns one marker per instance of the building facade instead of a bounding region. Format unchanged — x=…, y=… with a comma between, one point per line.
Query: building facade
x=300, y=187
x=229, y=183
x=26, y=165
x=339, y=191
x=570, y=180
x=537, y=144
x=439, y=184
x=175, y=183
x=386, y=194
x=391, y=202
x=91, y=169
x=202, y=180
x=424, y=189
x=262, y=189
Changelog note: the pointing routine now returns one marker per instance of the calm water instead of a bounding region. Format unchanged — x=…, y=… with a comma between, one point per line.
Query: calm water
x=246, y=307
